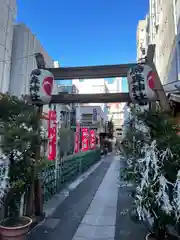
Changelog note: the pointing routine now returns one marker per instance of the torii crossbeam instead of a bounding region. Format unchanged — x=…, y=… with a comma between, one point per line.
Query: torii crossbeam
x=91, y=72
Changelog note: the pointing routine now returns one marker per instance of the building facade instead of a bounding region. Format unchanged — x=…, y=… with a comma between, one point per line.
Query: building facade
x=25, y=45
x=141, y=39
x=93, y=86
x=172, y=83
x=165, y=41
x=68, y=112
x=8, y=10
x=91, y=117
x=163, y=30
x=115, y=110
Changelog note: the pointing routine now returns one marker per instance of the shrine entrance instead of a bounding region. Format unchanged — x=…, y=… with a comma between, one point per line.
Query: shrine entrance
x=108, y=71
x=139, y=76
x=40, y=96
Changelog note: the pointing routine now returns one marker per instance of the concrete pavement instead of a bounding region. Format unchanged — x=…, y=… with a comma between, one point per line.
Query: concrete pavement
x=100, y=219
x=92, y=209
x=64, y=221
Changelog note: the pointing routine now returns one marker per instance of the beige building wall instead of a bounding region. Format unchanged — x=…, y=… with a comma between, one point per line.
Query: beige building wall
x=165, y=40
x=25, y=45
x=7, y=18
x=91, y=86
x=160, y=30
x=141, y=39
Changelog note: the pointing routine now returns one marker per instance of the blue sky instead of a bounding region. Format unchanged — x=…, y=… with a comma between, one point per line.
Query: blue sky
x=79, y=32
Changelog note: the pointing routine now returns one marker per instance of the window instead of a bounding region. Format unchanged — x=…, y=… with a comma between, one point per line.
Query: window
x=143, y=51
x=119, y=134
x=86, y=117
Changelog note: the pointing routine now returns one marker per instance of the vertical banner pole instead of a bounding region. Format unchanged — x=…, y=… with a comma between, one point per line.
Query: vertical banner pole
x=57, y=149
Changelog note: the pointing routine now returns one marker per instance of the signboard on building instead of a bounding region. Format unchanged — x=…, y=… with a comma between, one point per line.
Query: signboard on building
x=141, y=81
x=41, y=85
x=85, y=139
x=52, y=129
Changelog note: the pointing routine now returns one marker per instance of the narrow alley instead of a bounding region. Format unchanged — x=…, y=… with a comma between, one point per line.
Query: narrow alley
x=92, y=207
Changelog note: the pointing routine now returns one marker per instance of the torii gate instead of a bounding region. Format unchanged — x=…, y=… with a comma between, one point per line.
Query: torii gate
x=95, y=72
x=105, y=71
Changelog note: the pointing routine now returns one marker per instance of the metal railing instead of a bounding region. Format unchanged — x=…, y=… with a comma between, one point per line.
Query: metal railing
x=55, y=179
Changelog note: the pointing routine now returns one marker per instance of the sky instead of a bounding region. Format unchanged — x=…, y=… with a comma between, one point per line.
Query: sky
x=80, y=33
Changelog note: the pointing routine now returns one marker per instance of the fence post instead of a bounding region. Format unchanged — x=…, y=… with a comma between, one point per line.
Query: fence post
x=60, y=173
x=80, y=165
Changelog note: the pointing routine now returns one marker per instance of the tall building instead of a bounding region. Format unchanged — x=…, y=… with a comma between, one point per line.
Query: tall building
x=162, y=30
x=165, y=40
x=8, y=11
x=56, y=64
x=115, y=86
x=141, y=39
x=25, y=45
x=68, y=111
x=154, y=11
x=115, y=112
x=86, y=117
x=172, y=77
x=89, y=86
x=115, y=109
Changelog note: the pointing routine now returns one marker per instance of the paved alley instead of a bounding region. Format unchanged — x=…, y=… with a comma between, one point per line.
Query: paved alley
x=100, y=219
x=92, y=210
x=65, y=220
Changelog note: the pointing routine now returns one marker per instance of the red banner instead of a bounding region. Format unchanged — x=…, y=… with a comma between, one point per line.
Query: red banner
x=76, y=147
x=92, y=139
x=85, y=139
x=52, y=135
